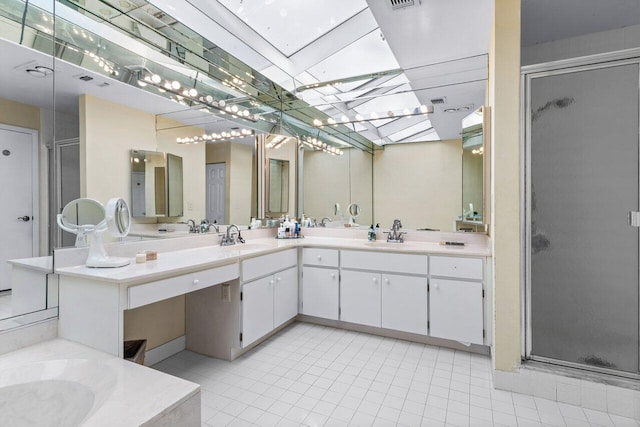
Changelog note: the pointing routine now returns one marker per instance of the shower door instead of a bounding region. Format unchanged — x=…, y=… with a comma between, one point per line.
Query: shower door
x=582, y=252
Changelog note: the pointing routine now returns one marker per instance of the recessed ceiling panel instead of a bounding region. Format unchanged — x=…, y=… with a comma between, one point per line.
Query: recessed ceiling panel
x=290, y=25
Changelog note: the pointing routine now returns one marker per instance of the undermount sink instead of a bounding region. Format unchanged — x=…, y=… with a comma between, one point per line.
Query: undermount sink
x=245, y=247
x=385, y=244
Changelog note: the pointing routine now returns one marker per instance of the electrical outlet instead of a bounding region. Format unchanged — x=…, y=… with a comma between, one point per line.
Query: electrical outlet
x=226, y=293
x=189, y=206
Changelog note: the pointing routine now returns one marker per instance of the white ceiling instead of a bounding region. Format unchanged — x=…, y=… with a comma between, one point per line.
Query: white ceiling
x=547, y=20
x=440, y=46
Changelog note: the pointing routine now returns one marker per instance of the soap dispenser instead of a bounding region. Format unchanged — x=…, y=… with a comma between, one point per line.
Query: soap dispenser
x=372, y=234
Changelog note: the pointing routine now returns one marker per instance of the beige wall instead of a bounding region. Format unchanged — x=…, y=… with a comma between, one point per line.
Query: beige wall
x=158, y=323
x=418, y=183
x=504, y=99
x=338, y=179
x=18, y=114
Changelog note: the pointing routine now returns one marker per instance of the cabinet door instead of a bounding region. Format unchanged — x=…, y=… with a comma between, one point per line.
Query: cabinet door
x=285, y=296
x=404, y=303
x=257, y=309
x=455, y=309
x=360, y=298
x=320, y=292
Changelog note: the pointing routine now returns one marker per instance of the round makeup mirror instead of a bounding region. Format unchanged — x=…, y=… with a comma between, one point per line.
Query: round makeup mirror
x=88, y=219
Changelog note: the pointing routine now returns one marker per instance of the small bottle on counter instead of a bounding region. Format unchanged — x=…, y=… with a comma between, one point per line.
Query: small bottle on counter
x=372, y=234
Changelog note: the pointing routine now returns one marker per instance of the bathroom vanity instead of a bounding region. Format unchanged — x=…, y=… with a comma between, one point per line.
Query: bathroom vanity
x=237, y=296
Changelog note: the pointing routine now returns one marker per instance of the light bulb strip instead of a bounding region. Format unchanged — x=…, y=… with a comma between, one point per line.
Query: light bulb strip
x=232, y=134
x=316, y=144
x=174, y=87
x=344, y=119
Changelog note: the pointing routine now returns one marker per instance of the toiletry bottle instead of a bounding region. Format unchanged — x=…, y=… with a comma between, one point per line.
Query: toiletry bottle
x=296, y=228
x=372, y=234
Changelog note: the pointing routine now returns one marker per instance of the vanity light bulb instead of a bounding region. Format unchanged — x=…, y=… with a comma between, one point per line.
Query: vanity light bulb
x=234, y=108
x=317, y=122
x=331, y=121
x=193, y=93
x=245, y=113
x=136, y=160
x=222, y=103
x=167, y=86
x=209, y=99
x=359, y=117
x=175, y=85
x=344, y=119
x=156, y=78
x=141, y=83
x=424, y=109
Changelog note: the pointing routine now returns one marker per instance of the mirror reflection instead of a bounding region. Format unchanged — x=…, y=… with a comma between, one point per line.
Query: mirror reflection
x=278, y=187
x=473, y=160
x=148, y=184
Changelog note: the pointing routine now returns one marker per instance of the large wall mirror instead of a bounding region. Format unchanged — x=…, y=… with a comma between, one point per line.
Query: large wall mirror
x=330, y=183
x=27, y=118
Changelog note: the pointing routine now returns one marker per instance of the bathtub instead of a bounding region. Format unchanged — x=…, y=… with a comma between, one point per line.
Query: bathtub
x=60, y=383
x=54, y=392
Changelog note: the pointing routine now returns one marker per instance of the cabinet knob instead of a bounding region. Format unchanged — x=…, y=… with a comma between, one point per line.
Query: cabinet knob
x=196, y=281
x=436, y=286
x=333, y=275
x=319, y=258
x=271, y=282
x=387, y=281
x=375, y=280
x=278, y=279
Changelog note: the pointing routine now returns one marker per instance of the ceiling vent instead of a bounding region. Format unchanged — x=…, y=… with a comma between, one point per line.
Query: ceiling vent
x=85, y=78
x=399, y=4
x=437, y=101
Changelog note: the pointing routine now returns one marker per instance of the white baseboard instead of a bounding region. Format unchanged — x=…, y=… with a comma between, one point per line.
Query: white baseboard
x=164, y=351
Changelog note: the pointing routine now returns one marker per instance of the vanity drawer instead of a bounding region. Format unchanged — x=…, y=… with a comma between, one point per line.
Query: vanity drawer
x=159, y=290
x=320, y=257
x=384, y=261
x=261, y=266
x=463, y=268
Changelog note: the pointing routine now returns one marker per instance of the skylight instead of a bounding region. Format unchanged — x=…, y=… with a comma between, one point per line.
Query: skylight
x=290, y=25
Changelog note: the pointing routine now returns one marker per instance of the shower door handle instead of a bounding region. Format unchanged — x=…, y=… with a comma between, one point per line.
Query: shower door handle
x=25, y=218
x=634, y=218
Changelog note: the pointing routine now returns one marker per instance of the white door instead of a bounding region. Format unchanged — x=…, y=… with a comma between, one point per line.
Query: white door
x=257, y=309
x=455, y=309
x=404, y=303
x=320, y=292
x=285, y=296
x=19, y=193
x=360, y=297
x=215, y=198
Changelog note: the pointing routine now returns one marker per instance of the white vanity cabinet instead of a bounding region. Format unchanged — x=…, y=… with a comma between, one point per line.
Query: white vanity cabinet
x=320, y=283
x=360, y=297
x=404, y=303
x=269, y=295
x=387, y=290
x=456, y=299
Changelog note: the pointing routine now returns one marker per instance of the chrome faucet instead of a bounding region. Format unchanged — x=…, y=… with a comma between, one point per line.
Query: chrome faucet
x=395, y=235
x=324, y=221
x=205, y=226
x=230, y=238
x=192, y=226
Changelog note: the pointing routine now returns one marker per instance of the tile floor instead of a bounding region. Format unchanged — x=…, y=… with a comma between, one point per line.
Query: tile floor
x=312, y=375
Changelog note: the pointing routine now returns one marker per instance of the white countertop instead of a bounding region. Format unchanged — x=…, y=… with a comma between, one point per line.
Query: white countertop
x=124, y=393
x=43, y=263
x=181, y=261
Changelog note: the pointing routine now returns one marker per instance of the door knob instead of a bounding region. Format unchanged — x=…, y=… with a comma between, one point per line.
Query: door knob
x=25, y=218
